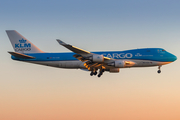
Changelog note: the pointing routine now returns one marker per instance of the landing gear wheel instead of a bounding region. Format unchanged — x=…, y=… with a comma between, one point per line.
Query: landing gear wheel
x=99, y=75
x=159, y=71
x=95, y=73
x=91, y=74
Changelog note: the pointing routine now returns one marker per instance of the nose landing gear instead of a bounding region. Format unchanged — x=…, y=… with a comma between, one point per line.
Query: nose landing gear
x=159, y=70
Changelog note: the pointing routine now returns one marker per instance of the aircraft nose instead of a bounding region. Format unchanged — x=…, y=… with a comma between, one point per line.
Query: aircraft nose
x=173, y=58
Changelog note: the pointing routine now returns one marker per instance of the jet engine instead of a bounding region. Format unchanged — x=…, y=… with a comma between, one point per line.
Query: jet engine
x=97, y=58
x=119, y=64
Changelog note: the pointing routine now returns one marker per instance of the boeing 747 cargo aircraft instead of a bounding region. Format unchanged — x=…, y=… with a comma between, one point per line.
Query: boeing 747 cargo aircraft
x=95, y=62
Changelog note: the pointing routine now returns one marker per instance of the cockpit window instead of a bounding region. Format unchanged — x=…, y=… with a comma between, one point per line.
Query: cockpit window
x=161, y=50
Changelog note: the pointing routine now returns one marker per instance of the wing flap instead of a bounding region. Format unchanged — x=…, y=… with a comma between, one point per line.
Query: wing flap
x=19, y=55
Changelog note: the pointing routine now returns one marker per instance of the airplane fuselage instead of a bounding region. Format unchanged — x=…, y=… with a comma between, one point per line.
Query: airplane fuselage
x=141, y=57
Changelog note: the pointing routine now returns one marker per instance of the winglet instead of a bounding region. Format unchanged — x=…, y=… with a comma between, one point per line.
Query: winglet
x=61, y=42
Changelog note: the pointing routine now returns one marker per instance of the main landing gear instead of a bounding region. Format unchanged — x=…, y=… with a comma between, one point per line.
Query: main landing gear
x=159, y=70
x=94, y=72
x=101, y=72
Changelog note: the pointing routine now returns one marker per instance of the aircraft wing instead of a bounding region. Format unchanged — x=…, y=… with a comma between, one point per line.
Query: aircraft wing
x=81, y=55
x=73, y=48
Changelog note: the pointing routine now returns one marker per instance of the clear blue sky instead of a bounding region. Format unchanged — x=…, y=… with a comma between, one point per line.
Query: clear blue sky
x=94, y=25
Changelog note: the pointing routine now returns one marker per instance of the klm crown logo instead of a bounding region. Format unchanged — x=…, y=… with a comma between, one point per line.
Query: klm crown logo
x=22, y=41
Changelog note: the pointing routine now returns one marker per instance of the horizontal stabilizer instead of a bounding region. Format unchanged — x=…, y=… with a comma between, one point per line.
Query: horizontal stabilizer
x=19, y=55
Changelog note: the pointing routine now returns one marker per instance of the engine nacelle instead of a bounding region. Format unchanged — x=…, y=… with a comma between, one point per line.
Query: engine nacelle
x=114, y=70
x=97, y=58
x=119, y=64
x=122, y=64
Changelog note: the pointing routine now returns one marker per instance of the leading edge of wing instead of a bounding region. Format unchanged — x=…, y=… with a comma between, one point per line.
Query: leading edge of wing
x=73, y=48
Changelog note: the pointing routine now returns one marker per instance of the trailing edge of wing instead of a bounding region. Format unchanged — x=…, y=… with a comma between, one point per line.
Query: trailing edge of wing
x=19, y=55
x=73, y=48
